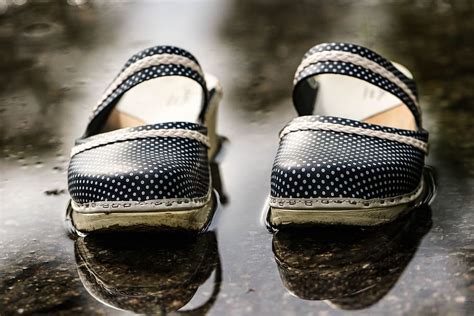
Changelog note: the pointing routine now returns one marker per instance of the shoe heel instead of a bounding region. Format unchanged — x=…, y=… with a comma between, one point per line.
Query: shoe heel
x=210, y=119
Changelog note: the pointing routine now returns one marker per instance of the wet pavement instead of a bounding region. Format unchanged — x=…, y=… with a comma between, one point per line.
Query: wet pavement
x=56, y=59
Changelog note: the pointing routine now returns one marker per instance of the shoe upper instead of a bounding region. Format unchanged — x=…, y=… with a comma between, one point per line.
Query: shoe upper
x=317, y=163
x=339, y=159
x=165, y=161
x=140, y=169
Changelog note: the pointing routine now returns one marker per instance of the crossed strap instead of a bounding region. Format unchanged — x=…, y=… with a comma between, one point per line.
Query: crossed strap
x=354, y=61
x=151, y=63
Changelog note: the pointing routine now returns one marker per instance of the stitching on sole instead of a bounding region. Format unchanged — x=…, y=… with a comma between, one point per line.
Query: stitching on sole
x=142, y=206
x=340, y=203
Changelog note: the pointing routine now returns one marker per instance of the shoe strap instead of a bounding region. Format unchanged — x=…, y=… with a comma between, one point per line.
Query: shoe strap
x=339, y=128
x=353, y=61
x=187, y=130
x=151, y=63
x=114, y=137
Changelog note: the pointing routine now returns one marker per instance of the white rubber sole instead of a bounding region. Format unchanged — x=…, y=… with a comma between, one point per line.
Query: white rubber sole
x=360, y=217
x=196, y=219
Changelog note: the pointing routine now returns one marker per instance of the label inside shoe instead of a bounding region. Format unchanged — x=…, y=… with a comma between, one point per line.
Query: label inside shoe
x=350, y=98
x=165, y=99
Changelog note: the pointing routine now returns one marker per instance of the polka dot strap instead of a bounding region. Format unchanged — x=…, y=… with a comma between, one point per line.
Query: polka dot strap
x=355, y=130
x=354, y=61
x=147, y=62
x=155, y=50
x=155, y=62
x=120, y=136
x=364, y=52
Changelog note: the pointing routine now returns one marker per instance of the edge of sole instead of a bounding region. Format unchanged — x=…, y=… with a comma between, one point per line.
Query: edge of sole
x=278, y=217
x=196, y=219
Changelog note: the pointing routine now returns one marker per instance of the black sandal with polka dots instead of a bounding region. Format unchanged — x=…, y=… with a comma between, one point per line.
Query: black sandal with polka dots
x=355, y=156
x=143, y=162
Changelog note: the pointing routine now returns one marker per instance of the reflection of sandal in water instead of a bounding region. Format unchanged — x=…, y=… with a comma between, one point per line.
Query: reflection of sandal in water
x=144, y=159
x=149, y=273
x=356, y=154
x=351, y=267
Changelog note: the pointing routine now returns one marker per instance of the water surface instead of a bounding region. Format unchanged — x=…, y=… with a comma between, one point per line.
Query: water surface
x=56, y=59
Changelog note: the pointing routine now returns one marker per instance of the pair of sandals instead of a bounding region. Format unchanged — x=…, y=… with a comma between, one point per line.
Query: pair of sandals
x=354, y=156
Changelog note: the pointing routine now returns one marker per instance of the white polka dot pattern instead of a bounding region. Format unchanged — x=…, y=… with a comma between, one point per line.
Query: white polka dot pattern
x=327, y=164
x=119, y=136
x=147, y=163
x=325, y=157
x=142, y=169
x=306, y=126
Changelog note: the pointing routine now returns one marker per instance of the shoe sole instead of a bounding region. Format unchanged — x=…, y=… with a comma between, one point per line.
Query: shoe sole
x=362, y=217
x=279, y=217
x=196, y=219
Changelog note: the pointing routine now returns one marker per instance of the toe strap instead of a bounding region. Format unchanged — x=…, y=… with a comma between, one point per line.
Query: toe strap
x=324, y=126
x=120, y=136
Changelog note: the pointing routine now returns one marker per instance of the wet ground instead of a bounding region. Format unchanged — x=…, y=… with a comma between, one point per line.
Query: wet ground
x=56, y=59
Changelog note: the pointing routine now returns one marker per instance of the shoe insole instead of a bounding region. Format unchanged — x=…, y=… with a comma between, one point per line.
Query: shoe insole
x=164, y=99
x=356, y=99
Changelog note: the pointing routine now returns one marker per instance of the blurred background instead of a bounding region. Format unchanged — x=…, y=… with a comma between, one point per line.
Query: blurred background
x=56, y=58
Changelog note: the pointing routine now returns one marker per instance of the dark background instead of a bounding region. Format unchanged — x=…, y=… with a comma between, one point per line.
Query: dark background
x=56, y=58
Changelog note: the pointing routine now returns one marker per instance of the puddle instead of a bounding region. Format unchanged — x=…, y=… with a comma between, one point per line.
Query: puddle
x=420, y=264
x=349, y=268
x=168, y=274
